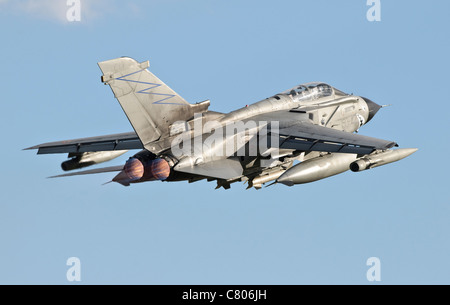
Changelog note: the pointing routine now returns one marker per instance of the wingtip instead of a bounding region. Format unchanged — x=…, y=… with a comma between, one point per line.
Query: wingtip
x=31, y=148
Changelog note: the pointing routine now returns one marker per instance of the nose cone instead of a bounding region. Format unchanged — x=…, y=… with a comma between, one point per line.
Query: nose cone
x=286, y=179
x=373, y=108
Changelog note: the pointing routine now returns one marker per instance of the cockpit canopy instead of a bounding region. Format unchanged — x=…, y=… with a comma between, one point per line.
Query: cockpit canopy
x=312, y=91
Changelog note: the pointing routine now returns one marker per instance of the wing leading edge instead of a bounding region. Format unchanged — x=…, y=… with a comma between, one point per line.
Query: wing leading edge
x=120, y=141
x=306, y=136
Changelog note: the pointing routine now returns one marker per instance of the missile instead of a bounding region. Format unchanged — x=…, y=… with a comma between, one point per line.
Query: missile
x=381, y=158
x=258, y=181
x=317, y=168
x=90, y=158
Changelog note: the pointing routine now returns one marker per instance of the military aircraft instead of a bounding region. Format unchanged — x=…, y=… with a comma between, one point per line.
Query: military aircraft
x=298, y=136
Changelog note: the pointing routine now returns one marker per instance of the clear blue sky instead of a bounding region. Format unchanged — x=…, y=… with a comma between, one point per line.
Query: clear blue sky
x=234, y=53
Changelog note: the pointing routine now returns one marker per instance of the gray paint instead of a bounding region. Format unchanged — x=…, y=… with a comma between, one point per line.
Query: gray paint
x=317, y=128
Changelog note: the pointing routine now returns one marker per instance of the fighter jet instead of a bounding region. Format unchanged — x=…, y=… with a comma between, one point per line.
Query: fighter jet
x=298, y=136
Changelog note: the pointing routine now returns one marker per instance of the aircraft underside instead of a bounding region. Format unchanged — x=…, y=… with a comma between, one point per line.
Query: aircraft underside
x=299, y=136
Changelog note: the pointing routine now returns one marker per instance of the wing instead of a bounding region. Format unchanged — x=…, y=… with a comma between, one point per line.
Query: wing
x=306, y=136
x=120, y=141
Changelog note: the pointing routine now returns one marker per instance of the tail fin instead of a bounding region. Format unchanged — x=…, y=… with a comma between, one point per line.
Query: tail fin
x=150, y=105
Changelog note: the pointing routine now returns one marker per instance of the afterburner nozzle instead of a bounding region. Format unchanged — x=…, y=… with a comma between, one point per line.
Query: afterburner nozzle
x=132, y=171
x=136, y=170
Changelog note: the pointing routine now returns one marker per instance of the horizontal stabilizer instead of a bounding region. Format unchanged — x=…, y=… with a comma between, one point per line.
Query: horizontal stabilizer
x=93, y=171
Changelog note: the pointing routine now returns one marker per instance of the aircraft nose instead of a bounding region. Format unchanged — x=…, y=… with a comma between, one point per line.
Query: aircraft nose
x=373, y=108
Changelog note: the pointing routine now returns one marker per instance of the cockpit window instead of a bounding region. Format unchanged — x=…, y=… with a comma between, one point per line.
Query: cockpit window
x=300, y=90
x=312, y=91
